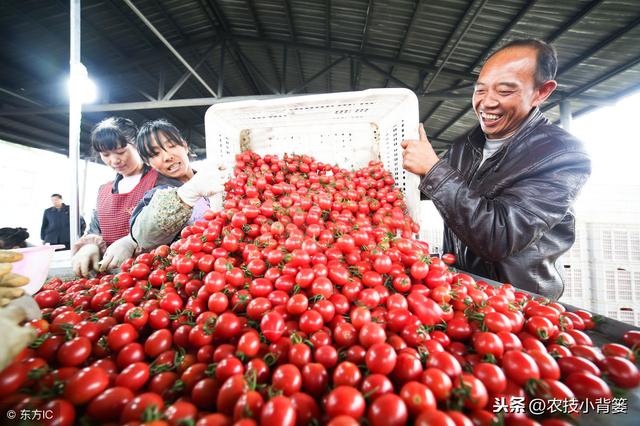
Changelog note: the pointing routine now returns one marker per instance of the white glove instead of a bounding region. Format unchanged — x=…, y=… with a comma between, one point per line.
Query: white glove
x=208, y=181
x=118, y=252
x=85, y=260
x=14, y=337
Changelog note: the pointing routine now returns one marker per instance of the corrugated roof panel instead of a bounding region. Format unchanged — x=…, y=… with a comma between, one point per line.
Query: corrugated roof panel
x=189, y=15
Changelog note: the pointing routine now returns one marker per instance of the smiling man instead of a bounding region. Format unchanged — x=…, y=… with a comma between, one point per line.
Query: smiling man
x=506, y=190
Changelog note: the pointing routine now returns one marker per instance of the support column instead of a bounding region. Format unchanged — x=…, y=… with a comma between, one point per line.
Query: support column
x=565, y=115
x=221, y=75
x=75, y=117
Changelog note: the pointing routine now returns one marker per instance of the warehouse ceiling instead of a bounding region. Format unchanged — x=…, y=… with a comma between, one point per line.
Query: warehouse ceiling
x=242, y=48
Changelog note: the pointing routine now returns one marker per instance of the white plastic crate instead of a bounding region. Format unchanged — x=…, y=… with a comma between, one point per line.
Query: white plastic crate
x=577, y=284
x=615, y=283
x=615, y=242
x=579, y=252
x=348, y=129
x=625, y=312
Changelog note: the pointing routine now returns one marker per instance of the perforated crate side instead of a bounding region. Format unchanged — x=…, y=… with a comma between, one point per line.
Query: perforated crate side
x=625, y=312
x=615, y=283
x=579, y=251
x=615, y=242
x=577, y=284
x=400, y=124
x=431, y=226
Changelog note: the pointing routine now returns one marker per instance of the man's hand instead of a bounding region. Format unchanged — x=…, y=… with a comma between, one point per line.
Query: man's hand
x=418, y=156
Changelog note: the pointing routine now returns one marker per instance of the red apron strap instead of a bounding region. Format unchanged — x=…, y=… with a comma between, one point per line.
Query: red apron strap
x=114, y=210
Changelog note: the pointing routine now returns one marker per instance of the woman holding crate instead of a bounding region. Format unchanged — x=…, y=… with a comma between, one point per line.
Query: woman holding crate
x=165, y=210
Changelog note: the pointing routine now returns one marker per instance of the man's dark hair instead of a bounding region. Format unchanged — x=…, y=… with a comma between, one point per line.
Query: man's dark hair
x=547, y=58
x=150, y=132
x=113, y=133
x=13, y=237
x=56, y=195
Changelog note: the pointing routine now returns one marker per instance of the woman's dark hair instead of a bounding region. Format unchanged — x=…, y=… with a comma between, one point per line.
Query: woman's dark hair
x=150, y=132
x=113, y=133
x=547, y=58
x=13, y=237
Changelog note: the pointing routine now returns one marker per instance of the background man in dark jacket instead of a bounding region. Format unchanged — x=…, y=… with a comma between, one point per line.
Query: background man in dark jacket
x=506, y=190
x=55, y=223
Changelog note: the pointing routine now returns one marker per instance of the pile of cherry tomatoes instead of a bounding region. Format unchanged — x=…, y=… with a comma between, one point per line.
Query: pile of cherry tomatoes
x=304, y=301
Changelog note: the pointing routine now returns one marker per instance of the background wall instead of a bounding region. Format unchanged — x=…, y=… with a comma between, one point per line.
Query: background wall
x=30, y=176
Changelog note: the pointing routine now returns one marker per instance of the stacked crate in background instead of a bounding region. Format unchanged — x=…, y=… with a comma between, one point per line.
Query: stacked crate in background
x=604, y=276
x=577, y=277
x=616, y=270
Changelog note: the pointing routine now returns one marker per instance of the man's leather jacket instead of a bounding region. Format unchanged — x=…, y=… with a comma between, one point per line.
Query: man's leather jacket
x=512, y=218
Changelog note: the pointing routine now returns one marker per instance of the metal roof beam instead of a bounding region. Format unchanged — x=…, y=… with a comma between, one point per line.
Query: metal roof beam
x=624, y=93
x=17, y=96
x=355, y=54
x=434, y=76
x=604, y=77
x=117, y=49
x=573, y=20
x=21, y=70
x=317, y=75
x=452, y=90
x=44, y=135
x=283, y=80
x=386, y=74
x=292, y=31
x=86, y=23
x=219, y=17
x=170, y=47
x=498, y=39
x=34, y=142
x=132, y=106
x=352, y=74
x=327, y=58
x=599, y=46
x=162, y=77
x=187, y=74
x=191, y=48
x=414, y=13
x=452, y=122
x=221, y=76
x=256, y=20
x=146, y=95
x=49, y=122
x=365, y=35
x=257, y=72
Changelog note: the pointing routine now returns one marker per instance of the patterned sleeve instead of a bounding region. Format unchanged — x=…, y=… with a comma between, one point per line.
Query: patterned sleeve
x=159, y=220
x=94, y=225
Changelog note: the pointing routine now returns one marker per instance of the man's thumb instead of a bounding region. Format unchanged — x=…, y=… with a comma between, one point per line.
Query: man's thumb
x=423, y=134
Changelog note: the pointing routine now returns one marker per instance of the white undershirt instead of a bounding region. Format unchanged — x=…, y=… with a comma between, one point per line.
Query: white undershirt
x=127, y=183
x=491, y=146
